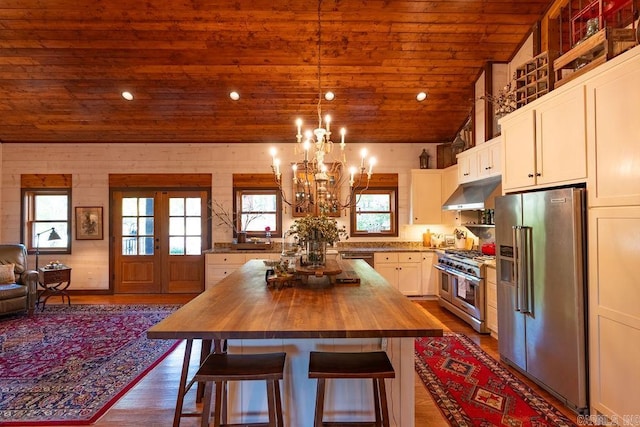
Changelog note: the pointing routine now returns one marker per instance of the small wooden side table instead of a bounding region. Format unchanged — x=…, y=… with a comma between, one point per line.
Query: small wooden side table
x=53, y=281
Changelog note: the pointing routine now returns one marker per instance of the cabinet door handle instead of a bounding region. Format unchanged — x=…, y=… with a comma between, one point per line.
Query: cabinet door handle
x=487, y=168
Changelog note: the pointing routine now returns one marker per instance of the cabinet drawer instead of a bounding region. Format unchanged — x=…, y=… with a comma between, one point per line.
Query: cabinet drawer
x=266, y=255
x=385, y=257
x=409, y=257
x=225, y=258
x=55, y=276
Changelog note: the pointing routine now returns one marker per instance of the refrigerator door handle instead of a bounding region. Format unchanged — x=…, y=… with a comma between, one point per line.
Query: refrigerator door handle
x=522, y=257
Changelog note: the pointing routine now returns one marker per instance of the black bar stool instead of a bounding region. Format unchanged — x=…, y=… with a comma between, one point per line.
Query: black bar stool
x=374, y=365
x=221, y=368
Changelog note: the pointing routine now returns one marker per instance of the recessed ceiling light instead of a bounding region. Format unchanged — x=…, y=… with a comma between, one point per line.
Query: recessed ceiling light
x=234, y=95
x=421, y=96
x=329, y=96
x=127, y=95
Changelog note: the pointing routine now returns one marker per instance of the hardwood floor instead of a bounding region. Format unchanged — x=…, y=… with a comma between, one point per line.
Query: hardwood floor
x=152, y=401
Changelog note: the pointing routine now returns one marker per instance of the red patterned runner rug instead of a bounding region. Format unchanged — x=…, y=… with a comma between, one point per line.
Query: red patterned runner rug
x=473, y=389
x=68, y=365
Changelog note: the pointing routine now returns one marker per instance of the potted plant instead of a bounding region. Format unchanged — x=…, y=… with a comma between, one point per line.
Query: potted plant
x=315, y=233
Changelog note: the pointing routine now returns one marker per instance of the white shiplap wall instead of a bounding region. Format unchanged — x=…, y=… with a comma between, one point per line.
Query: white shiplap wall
x=91, y=164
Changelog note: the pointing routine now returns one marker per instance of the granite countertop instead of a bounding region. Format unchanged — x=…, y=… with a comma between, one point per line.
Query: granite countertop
x=364, y=247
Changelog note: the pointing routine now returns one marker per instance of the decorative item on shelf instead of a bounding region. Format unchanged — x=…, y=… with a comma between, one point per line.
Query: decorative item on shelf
x=267, y=234
x=504, y=102
x=315, y=233
x=317, y=179
x=424, y=159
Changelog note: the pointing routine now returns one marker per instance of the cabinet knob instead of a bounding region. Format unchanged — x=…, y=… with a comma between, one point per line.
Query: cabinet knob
x=530, y=175
x=538, y=174
x=487, y=168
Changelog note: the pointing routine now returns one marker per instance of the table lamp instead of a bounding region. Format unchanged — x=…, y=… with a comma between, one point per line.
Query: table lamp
x=52, y=236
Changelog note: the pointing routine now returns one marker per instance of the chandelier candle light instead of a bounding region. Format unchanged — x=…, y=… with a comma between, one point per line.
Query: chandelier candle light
x=328, y=176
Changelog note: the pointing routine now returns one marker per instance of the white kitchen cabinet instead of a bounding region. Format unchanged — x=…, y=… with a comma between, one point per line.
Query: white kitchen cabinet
x=426, y=196
x=429, y=285
x=482, y=161
x=614, y=314
x=492, y=301
x=489, y=157
x=220, y=265
x=403, y=270
x=613, y=111
x=467, y=166
x=545, y=142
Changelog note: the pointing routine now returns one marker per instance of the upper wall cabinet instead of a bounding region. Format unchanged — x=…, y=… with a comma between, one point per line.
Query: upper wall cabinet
x=426, y=196
x=613, y=107
x=545, y=142
x=481, y=161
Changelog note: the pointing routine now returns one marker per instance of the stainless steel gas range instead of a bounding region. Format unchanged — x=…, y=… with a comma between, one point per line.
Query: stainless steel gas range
x=461, y=285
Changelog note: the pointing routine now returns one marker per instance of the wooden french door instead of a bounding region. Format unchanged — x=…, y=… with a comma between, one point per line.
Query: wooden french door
x=158, y=239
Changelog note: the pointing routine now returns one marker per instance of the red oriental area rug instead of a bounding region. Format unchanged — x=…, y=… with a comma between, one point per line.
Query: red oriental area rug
x=473, y=389
x=68, y=365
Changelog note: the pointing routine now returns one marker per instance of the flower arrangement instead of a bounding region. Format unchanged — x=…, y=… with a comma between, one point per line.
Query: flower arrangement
x=319, y=228
x=504, y=102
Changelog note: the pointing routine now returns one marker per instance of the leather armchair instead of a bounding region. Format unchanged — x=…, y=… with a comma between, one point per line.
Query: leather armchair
x=21, y=295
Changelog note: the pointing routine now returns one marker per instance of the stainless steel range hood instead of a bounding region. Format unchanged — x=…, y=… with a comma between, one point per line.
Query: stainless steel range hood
x=474, y=195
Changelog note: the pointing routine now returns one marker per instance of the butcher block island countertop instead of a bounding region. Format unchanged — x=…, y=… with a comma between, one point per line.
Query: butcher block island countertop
x=369, y=316
x=241, y=306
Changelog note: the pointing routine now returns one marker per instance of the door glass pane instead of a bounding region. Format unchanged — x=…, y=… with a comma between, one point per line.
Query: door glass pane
x=176, y=206
x=145, y=226
x=194, y=245
x=129, y=246
x=176, y=226
x=176, y=245
x=129, y=206
x=145, y=246
x=194, y=227
x=145, y=207
x=194, y=206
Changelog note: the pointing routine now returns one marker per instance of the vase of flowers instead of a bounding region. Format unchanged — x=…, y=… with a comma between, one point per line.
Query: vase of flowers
x=314, y=233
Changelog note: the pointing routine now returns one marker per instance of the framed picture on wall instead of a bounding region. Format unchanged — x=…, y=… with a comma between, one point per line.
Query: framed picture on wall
x=89, y=223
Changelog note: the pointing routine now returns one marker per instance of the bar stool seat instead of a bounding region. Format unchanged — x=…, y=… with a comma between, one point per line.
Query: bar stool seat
x=332, y=365
x=218, y=369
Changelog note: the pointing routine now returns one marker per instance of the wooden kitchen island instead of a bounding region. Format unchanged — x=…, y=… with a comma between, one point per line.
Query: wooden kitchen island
x=368, y=316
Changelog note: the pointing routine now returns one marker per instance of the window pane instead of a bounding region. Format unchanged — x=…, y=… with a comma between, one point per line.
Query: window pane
x=145, y=207
x=194, y=227
x=194, y=245
x=145, y=226
x=176, y=245
x=374, y=202
x=44, y=229
x=146, y=245
x=176, y=226
x=194, y=206
x=176, y=207
x=260, y=222
x=373, y=222
x=130, y=206
x=258, y=202
x=51, y=207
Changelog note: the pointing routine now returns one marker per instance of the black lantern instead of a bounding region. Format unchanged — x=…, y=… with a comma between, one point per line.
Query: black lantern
x=424, y=159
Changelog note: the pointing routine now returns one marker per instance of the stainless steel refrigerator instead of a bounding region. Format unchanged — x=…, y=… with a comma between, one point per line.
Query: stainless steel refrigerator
x=541, y=259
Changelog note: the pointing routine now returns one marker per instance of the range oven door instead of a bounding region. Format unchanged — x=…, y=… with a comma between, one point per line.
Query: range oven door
x=445, y=286
x=468, y=294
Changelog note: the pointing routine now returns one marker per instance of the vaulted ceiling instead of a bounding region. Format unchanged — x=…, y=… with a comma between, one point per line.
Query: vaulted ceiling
x=64, y=64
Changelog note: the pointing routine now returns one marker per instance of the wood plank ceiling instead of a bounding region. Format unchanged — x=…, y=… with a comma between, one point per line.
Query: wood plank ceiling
x=64, y=63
